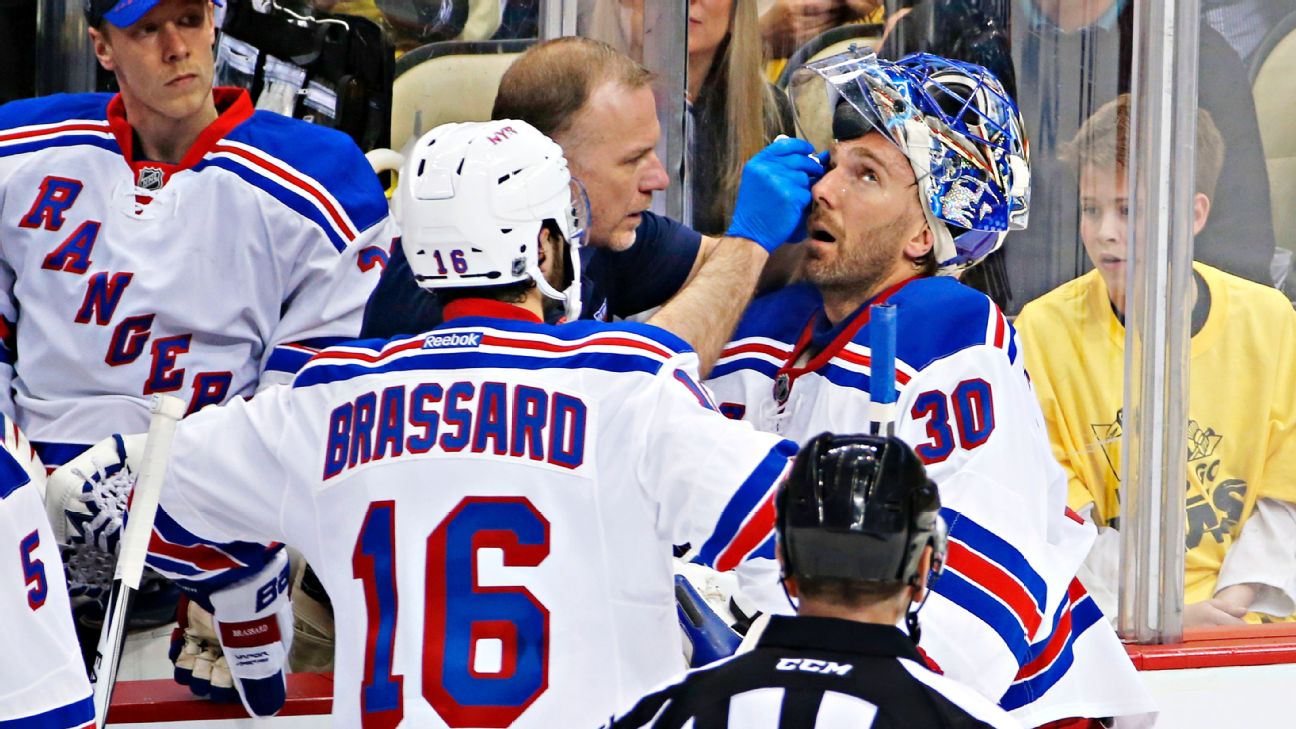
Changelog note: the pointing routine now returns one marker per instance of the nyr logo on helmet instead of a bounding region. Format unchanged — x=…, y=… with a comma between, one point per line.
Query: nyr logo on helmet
x=449, y=341
x=501, y=134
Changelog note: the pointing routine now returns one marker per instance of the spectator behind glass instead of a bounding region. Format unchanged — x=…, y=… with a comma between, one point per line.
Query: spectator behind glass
x=786, y=25
x=1239, y=565
x=735, y=113
x=412, y=23
x=1070, y=58
x=1245, y=23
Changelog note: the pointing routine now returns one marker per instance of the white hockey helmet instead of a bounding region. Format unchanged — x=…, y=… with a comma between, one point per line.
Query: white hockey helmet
x=472, y=199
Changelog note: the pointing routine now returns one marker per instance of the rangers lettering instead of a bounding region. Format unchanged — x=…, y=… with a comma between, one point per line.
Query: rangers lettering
x=128, y=340
x=492, y=418
x=73, y=254
x=163, y=375
x=209, y=388
x=103, y=294
x=57, y=194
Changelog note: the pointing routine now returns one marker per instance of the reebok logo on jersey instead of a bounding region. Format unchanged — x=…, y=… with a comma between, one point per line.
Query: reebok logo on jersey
x=443, y=341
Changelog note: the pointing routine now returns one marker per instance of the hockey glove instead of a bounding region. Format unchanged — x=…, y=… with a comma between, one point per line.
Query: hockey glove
x=196, y=653
x=254, y=621
x=86, y=497
x=708, y=637
x=85, y=500
x=774, y=193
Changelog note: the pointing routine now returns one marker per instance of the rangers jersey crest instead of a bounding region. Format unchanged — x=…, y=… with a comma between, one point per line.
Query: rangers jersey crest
x=206, y=279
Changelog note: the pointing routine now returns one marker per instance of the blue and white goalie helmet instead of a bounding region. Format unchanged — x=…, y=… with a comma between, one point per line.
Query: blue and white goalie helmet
x=472, y=199
x=962, y=134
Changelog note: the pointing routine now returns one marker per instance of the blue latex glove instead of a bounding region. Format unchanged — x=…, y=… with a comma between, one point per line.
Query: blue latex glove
x=774, y=194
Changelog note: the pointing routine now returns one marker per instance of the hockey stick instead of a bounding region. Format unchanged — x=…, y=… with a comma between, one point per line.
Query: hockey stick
x=166, y=412
x=882, y=351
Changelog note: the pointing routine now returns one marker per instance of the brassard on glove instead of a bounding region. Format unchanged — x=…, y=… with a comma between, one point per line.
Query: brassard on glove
x=254, y=622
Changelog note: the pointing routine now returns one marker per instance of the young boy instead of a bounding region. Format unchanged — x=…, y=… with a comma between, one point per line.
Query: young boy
x=1241, y=449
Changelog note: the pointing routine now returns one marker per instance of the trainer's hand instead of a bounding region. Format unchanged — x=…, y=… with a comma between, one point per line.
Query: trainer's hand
x=774, y=193
x=1213, y=612
x=86, y=497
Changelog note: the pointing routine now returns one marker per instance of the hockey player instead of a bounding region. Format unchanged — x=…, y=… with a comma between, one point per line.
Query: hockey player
x=859, y=533
x=928, y=173
x=490, y=504
x=42, y=680
x=169, y=239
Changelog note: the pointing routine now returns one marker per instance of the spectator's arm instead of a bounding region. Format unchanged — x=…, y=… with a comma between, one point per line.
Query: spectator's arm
x=1259, y=571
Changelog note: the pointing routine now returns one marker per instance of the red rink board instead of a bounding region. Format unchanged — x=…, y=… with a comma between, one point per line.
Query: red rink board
x=311, y=694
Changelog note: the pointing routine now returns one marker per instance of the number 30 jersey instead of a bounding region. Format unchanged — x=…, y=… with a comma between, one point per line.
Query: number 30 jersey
x=490, y=506
x=1007, y=616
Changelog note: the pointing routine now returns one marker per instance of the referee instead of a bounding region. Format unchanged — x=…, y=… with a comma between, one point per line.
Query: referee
x=859, y=530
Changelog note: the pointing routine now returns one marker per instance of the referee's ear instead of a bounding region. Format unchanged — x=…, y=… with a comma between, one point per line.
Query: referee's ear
x=924, y=573
x=789, y=582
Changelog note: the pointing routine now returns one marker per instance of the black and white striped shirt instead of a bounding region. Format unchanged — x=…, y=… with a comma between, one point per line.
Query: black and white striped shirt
x=817, y=672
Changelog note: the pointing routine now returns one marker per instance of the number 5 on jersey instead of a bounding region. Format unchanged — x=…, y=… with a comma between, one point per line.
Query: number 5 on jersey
x=485, y=649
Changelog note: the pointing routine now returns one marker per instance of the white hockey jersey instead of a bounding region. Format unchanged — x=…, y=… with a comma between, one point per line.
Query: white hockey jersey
x=120, y=277
x=43, y=682
x=490, y=506
x=1007, y=616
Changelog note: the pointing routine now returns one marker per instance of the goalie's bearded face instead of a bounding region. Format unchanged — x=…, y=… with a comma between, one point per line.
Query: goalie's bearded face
x=865, y=224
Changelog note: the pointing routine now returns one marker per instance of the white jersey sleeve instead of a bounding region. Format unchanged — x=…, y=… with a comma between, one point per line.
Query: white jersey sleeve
x=729, y=525
x=325, y=298
x=700, y=505
x=42, y=679
x=224, y=493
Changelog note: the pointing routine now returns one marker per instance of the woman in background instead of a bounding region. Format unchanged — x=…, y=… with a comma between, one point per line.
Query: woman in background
x=735, y=113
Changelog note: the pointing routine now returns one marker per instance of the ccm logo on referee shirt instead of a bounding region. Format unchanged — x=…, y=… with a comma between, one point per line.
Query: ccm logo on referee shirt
x=812, y=665
x=440, y=341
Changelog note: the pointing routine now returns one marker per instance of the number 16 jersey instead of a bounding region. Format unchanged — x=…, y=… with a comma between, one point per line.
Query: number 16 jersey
x=490, y=506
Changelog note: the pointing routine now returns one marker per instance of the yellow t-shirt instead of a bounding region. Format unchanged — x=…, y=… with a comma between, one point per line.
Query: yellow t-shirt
x=1241, y=408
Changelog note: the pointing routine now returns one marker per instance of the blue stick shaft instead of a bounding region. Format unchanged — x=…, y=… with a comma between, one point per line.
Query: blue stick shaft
x=882, y=346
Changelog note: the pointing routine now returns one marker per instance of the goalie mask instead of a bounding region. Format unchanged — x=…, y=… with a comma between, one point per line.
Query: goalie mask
x=961, y=133
x=471, y=202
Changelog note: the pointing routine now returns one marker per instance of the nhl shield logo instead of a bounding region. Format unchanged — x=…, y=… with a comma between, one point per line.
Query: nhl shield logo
x=782, y=388
x=150, y=178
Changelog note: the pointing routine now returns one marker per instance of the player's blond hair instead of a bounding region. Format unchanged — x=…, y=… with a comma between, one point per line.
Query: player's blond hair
x=1103, y=143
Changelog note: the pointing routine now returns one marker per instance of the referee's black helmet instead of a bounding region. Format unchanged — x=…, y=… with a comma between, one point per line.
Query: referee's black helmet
x=858, y=507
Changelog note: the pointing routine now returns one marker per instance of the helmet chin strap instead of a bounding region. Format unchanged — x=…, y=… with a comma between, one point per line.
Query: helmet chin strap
x=571, y=297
